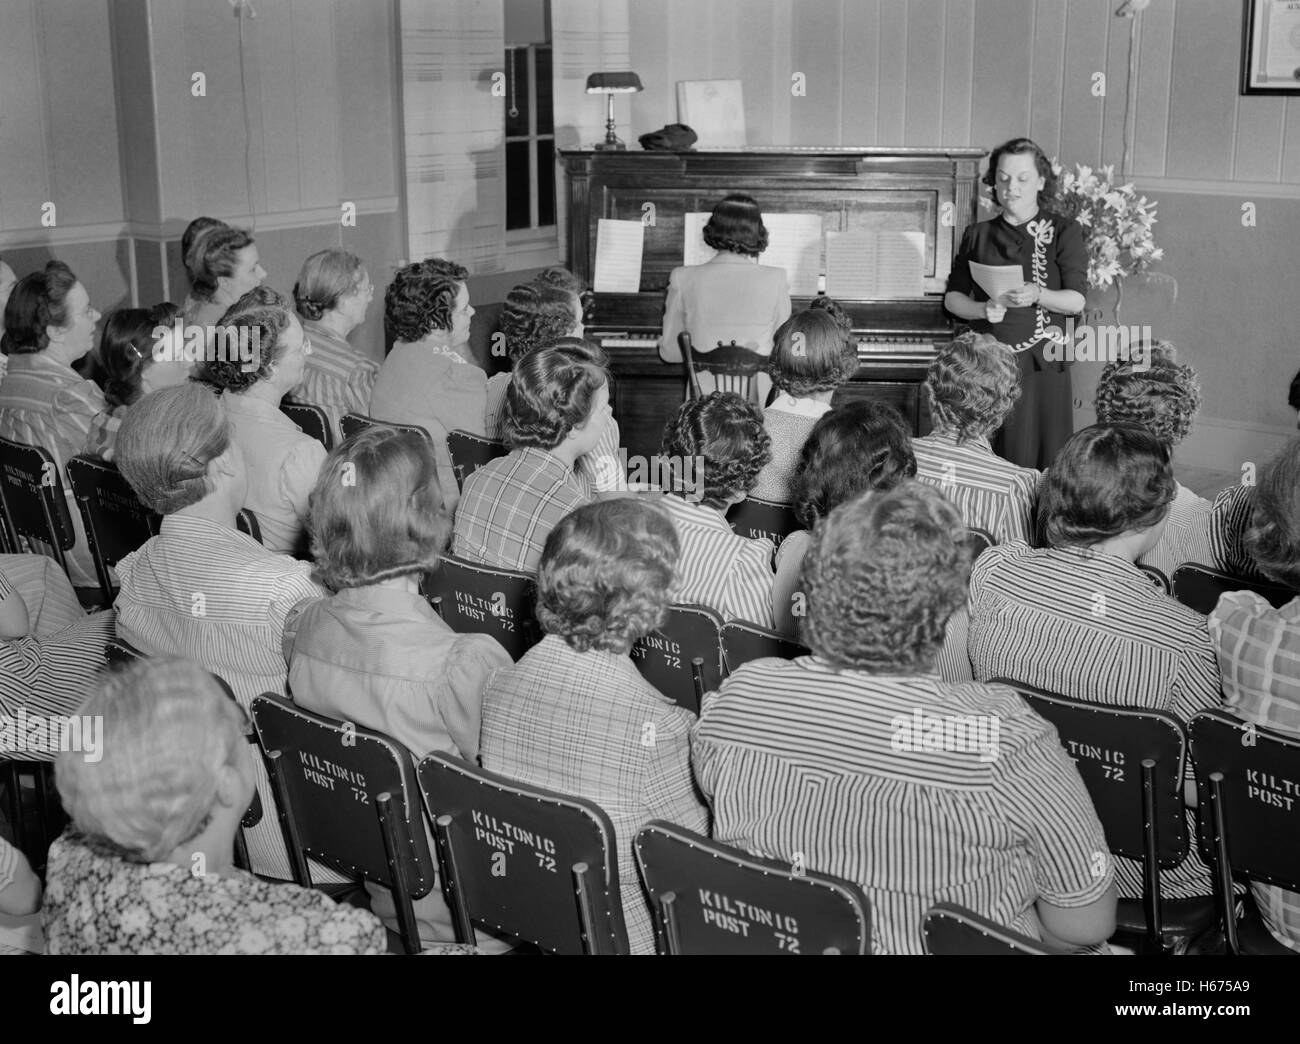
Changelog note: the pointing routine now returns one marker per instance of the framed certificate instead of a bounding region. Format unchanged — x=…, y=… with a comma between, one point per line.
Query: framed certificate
x=1270, y=51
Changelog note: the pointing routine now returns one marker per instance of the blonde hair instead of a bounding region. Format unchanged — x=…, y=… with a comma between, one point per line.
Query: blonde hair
x=168, y=729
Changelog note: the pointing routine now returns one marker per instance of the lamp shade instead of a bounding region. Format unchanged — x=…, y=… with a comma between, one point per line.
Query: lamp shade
x=613, y=83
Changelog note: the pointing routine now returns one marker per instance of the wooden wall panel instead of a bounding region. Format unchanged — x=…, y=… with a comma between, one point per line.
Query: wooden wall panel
x=925, y=73
x=860, y=74
x=1203, y=94
x=1003, y=53
x=1045, y=83
x=891, y=58
x=958, y=69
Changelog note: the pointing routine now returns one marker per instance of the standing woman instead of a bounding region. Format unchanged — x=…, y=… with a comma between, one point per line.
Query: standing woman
x=1051, y=251
x=731, y=297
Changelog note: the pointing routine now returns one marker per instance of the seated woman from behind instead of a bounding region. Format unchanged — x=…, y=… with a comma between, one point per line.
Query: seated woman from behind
x=831, y=755
x=146, y=865
x=282, y=461
x=1162, y=395
x=376, y=653
x=715, y=447
x=573, y=715
x=813, y=356
x=972, y=386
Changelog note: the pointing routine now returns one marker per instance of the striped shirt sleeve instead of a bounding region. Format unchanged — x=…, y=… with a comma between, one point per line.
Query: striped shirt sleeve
x=1197, y=686
x=748, y=593
x=299, y=472
x=1020, y=508
x=668, y=787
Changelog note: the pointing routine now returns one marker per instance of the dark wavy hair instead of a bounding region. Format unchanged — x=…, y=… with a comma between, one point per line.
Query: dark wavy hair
x=725, y=434
x=972, y=385
x=535, y=315
x=861, y=445
x=192, y=232
x=883, y=574
x=1106, y=480
x=126, y=350
x=377, y=511
x=812, y=352
x=551, y=392
x=38, y=300
x=422, y=297
x=1162, y=396
x=266, y=314
x=736, y=224
x=1273, y=537
x=605, y=574
x=1047, y=195
x=215, y=253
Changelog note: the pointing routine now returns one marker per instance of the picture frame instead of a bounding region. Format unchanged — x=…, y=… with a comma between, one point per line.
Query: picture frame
x=1270, y=47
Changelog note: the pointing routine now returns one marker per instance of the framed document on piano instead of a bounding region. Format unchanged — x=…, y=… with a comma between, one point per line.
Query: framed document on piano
x=891, y=218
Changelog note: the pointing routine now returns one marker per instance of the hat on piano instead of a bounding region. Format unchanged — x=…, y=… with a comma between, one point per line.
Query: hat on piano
x=676, y=137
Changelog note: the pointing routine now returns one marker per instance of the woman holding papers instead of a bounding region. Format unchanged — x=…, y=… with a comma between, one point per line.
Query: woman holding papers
x=1050, y=253
x=731, y=297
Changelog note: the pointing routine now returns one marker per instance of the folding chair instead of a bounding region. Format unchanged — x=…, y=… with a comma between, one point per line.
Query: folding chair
x=756, y=518
x=1198, y=587
x=950, y=929
x=116, y=522
x=311, y=419
x=1132, y=763
x=246, y=522
x=742, y=642
x=733, y=368
x=116, y=651
x=523, y=861
x=978, y=540
x=712, y=899
x=683, y=658
x=35, y=506
x=33, y=834
x=347, y=797
x=470, y=452
x=1247, y=779
x=355, y=422
x=473, y=599
x=1156, y=576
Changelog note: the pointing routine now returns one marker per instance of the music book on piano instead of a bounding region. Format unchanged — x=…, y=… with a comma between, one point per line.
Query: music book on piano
x=874, y=266
x=619, y=245
x=794, y=242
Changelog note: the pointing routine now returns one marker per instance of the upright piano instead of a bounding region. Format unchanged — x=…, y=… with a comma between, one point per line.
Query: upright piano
x=865, y=189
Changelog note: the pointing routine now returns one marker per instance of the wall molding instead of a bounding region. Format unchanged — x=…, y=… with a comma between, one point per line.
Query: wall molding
x=1218, y=443
x=109, y=232
x=1206, y=187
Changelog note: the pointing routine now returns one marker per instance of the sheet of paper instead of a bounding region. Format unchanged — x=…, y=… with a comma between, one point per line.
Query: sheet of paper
x=851, y=265
x=996, y=280
x=794, y=242
x=900, y=264
x=619, y=245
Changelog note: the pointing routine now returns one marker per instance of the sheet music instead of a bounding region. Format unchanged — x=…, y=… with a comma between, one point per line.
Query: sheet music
x=867, y=266
x=996, y=280
x=619, y=246
x=794, y=242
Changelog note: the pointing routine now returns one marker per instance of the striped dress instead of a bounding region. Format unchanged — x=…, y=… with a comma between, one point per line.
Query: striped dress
x=338, y=378
x=991, y=493
x=1090, y=626
x=818, y=768
x=730, y=574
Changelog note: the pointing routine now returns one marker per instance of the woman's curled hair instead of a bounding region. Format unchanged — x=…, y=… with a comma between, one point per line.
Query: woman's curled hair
x=215, y=253
x=725, y=435
x=551, y=392
x=126, y=348
x=535, y=315
x=1273, y=538
x=736, y=225
x=1153, y=390
x=422, y=297
x=38, y=300
x=326, y=277
x=812, y=352
x=606, y=573
x=971, y=386
x=257, y=321
x=166, y=442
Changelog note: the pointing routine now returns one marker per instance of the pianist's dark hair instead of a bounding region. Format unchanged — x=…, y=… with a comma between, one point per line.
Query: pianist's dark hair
x=422, y=297
x=535, y=315
x=551, y=392
x=1047, y=196
x=1106, y=480
x=1274, y=534
x=736, y=224
x=812, y=352
x=724, y=435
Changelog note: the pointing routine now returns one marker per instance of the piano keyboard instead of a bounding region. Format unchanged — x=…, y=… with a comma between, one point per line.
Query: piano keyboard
x=870, y=350
x=621, y=340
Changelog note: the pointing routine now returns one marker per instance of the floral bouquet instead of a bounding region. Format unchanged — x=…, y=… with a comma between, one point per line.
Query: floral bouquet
x=1116, y=222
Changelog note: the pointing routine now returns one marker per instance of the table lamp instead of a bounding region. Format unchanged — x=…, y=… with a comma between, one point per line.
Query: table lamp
x=610, y=84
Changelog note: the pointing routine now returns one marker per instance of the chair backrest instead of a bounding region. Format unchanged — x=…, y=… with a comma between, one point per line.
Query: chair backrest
x=1257, y=796
x=712, y=899
x=952, y=929
x=1156, y=576
x=523, y=861
x=355, y=422
x=246, y=522
x=311, y=419
x=1198, y=587
x=683, y=658
x=473, y=599
x=116, y=651
x=348, y=797
x=978, y=540
x=116, y=522
x=470, y=452
x=742, y=642
x=756, y=518
x=1109, y=745
x=34, y=503
x=732, y=367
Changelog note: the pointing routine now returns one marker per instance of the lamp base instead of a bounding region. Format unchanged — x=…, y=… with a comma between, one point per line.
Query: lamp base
x=610, y=146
